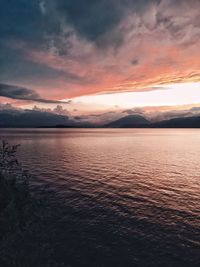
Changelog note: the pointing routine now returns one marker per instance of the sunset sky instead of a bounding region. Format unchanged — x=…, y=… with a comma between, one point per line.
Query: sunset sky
x=100, y=56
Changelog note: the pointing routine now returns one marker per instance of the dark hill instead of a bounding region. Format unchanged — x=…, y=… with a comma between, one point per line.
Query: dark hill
x=189, y=122
x=137, y=121
x=30, y=118
x=130, y=121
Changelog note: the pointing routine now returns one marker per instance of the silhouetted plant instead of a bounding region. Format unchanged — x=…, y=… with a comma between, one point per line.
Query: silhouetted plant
x=8, y=160
x=10, y=168
x=14, y=190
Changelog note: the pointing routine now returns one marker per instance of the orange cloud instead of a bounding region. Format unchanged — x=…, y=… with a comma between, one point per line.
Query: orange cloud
x=160, y=46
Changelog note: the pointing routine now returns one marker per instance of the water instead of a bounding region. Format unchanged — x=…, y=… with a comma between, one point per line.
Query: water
x=133, y=194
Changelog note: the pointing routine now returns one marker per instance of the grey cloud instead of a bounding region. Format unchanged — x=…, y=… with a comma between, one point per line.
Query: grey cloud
x=20, y=93
x=16, y=67
x=99, y=118
x=42, y=6
x=59, y=110
x=90, y=18
x=195, y=109
x=34, y=19
x=156, y=115
x=97, y=20
x=135, y=62
x=135, y=111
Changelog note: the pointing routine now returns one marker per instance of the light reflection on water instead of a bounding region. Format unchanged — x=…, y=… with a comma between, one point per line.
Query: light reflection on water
x=142, y=185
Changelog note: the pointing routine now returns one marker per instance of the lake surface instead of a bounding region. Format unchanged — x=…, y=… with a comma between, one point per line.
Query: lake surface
x=133, y=194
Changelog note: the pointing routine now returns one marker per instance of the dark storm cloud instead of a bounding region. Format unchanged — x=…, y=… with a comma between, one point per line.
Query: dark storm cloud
x=23, y=20
x=20, y=93
x=41, y=25
x=23, y=23
x=33, y=20
x=93, y=18
x=14, y=66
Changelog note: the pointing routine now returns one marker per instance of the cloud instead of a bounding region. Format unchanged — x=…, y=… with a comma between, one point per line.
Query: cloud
x=84, y=47
x=97, y=119
x=135, y=111
x=94, y=20
x=7, y=106
x=91, y=19
x=42, y=6
x=59, y=110
x=135, y=62
x=195, y=109
x=20, y=93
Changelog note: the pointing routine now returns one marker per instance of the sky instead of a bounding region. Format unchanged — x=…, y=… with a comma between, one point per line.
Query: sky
x=100, y=57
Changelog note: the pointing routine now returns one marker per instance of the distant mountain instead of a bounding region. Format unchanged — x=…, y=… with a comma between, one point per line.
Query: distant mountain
x=137, y=121
x=30, y=118
x=188, y=122
x=130, y=121
x=38, y=119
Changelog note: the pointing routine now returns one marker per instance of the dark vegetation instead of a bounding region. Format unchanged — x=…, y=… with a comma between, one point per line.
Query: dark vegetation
x=14, y=192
